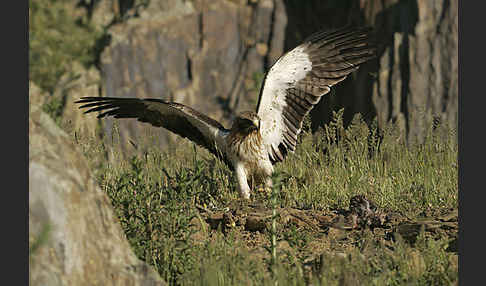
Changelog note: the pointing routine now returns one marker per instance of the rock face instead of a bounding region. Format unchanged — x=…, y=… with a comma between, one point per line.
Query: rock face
x=201, y=53
x=418, y=68
x=415, y=75
x=86, y=84
x=74, y=237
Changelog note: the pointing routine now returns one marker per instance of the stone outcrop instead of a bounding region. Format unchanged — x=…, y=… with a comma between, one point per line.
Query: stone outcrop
x=74, y=237
x=86, y=83
x=417, y=79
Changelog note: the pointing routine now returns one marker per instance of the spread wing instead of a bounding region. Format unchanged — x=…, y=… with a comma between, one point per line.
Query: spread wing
x=298, y=80
x=176, y=117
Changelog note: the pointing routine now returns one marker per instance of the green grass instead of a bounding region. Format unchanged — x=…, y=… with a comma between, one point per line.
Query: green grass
x=58, y=36
x=156, y=196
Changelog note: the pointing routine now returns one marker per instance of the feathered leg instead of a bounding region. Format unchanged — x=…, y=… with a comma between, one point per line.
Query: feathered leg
x=243, y=187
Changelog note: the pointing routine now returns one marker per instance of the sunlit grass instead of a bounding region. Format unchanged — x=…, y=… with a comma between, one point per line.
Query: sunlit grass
x=156, y=196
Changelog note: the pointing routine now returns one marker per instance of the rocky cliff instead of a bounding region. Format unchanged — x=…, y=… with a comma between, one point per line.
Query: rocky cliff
x=74, y=237
x=417, y=79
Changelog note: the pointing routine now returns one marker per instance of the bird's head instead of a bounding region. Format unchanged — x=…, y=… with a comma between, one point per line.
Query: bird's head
x=247, y=121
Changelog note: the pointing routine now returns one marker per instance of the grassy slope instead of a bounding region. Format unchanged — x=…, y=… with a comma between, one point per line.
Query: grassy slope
x=156, y=195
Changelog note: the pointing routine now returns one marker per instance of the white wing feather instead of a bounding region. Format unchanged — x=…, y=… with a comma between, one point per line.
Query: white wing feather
x=298, y=80
x=284, y=74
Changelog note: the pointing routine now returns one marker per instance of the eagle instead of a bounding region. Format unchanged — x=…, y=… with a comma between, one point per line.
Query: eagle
x=258, y=140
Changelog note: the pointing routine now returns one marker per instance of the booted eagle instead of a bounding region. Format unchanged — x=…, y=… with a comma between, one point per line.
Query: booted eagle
x=258, y=140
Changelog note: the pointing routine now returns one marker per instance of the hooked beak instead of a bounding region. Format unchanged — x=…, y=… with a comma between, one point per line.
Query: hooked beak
x=256, y=123
x=253, y=125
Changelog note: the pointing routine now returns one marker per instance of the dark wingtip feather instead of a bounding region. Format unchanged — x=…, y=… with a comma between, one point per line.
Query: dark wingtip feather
x=89, y=99
x=338, y=32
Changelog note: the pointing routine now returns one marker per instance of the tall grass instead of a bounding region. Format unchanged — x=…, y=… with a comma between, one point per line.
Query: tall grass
x=156, y=196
